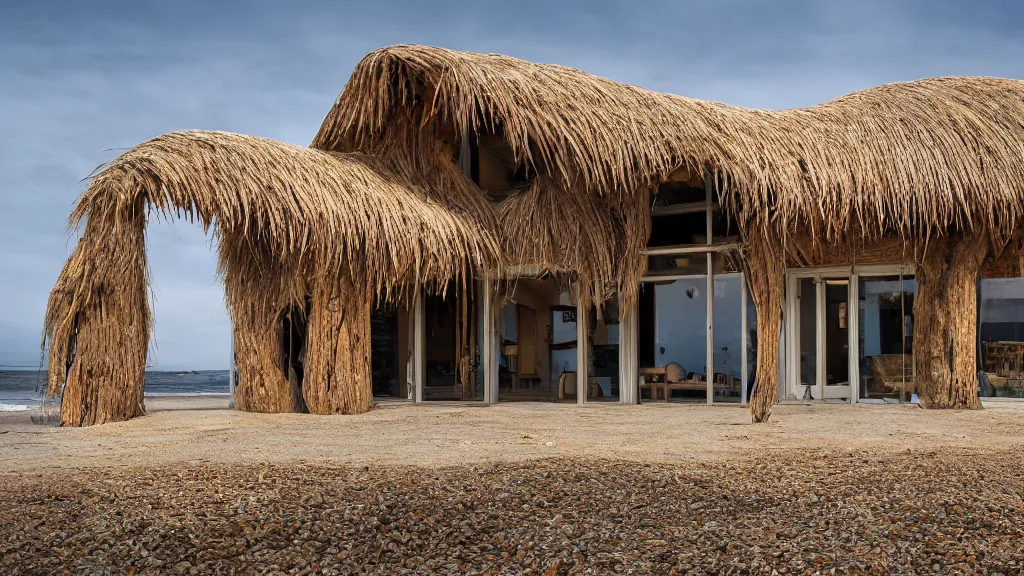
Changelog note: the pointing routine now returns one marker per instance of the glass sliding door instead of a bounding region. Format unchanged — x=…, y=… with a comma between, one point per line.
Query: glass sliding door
x=886, y=337
x=836, y=335
x=806, y=348
x=728, y=337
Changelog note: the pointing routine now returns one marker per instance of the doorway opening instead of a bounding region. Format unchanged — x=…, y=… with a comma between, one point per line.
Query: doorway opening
x=293, y=333
x=537, y=341
x=386, y=366
x=452, y=355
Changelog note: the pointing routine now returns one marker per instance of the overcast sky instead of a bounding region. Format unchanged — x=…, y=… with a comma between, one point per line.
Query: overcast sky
x=82, y=81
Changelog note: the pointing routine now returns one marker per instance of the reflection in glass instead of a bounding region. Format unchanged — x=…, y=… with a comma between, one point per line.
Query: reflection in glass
x=886, y=337
x=837, y=335
x=808, y=342
x=728, y=338
x=1001, y=313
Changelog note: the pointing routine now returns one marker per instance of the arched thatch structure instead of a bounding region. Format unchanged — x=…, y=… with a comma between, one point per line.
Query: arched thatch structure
x=936, y=158
x=381, y=203
x=292, y=223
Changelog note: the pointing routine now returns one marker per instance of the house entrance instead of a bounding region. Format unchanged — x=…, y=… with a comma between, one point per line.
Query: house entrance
x=820, y=357
x=848, y=334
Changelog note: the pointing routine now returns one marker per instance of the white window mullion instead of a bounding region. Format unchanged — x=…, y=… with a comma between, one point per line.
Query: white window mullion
x=743, y=340
x=710, y=376
x=820, y=325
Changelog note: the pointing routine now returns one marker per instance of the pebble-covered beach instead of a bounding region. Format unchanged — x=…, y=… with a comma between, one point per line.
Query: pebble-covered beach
x=955, y=512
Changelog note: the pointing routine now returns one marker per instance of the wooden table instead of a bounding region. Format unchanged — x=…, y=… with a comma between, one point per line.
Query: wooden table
x=653, y=379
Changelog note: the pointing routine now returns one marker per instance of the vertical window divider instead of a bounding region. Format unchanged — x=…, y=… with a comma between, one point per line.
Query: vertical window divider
x=710, y=360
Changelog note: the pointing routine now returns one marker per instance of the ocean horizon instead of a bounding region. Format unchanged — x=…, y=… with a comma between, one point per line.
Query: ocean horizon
x=23, y=389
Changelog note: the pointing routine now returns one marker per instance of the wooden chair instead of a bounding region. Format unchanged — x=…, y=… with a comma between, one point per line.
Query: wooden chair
x=661, y=379
x=567, y=381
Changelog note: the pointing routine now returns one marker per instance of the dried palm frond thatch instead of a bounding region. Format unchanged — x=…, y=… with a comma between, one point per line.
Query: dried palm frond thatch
x=598, y=239
x=289, y=219
x=913, y=160
x=913, y=157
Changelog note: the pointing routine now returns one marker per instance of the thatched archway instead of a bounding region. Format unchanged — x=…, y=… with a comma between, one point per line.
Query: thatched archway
x=291, y=223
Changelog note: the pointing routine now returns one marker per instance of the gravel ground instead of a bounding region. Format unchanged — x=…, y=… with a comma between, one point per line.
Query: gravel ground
x=846, y=512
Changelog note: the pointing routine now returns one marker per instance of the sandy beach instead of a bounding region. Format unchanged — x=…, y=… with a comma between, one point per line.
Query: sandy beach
x=203, y=429
x=194, y=487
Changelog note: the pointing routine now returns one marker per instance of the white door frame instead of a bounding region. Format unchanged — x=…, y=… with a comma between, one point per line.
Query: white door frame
x=791, y=328
x=873, y=271
x=819, y=389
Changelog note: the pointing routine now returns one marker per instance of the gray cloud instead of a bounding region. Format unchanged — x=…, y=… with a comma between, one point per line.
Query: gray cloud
x=80, y=82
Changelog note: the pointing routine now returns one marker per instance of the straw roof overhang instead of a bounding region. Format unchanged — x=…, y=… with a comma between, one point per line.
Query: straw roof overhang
x=911, y=158
x=324, y=211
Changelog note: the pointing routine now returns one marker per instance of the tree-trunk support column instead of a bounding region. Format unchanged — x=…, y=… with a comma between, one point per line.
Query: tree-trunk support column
x=945, y=314
x=765, y=267
x=337, y=368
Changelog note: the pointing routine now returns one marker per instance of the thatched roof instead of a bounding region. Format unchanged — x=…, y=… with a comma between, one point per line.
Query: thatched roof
x=910, y=157
x=290, y=222
x=326, y=209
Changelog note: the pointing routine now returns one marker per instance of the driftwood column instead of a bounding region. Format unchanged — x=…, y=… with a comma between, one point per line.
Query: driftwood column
x=945, y=330
x=99, y=316
x=263, y=384
x=337, y=367
x=257, y=292
x=765, y=276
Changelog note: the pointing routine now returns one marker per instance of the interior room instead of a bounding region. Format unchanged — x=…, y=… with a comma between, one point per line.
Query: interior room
x=537, y=328
x=886, y=338
x=451, y=351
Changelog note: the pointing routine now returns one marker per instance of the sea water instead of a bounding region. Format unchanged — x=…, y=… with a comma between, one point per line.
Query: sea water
x=23, y=389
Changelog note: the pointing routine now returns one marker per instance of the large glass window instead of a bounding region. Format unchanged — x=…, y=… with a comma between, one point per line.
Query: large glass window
x=690, y=244
x=672, y=338
x=807, y=309
x=1001, y=314
x=886, y=337
x=604, y=348
x=728, y=333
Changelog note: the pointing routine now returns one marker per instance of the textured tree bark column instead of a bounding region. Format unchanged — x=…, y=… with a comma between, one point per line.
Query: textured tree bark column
x=337, y=368
x=945, y=330
x=106, y=378
x=256, y=297
x=765, y=269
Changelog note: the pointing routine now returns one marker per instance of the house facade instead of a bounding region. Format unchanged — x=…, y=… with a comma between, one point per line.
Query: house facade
x=470, y=227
